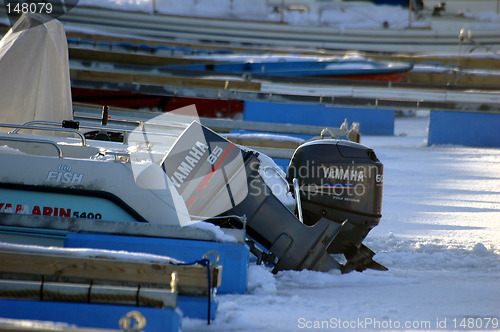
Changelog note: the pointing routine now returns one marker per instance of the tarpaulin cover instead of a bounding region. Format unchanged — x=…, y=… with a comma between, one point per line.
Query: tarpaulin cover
x=34, y=72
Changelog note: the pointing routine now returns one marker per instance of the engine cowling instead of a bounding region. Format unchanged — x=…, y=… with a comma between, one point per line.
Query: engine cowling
x=340, y=181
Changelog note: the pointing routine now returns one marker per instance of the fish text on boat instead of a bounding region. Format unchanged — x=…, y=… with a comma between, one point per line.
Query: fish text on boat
x=64, y=177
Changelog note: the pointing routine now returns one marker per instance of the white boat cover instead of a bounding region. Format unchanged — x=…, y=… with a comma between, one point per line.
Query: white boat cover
x=34, y=72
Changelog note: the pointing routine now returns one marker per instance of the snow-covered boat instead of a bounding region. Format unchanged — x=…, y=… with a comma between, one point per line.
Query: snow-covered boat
x=341, y=68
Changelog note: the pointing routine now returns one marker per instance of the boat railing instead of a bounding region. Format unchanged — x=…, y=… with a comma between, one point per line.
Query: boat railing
x=36, y=123
x=80, y=125
x=142, y=127
x=32, y=140
x=32, y=126
x=178, y=121
x=128, y=130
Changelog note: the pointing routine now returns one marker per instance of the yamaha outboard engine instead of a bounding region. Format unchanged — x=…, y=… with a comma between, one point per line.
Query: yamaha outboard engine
x=340, y=181
x=340, y=186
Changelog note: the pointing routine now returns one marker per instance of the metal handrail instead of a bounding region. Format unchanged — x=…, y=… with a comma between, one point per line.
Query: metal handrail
x=33, y=125
x=36, y=123
x=124, y=130
x=296, y=190
x=265, y=168
x=66, y=130
x=136, y=121
x=87, y=126
x=31, y=140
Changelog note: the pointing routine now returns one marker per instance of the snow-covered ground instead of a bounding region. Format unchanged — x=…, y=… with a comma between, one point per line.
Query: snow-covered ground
x=333, y=13
x=439, y=236
x=341, y=14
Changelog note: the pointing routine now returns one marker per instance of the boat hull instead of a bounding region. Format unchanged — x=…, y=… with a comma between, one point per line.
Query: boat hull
x=354, y=69
x=209, y=108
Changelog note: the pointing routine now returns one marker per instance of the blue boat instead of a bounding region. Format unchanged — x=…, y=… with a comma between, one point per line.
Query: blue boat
x=356, y=69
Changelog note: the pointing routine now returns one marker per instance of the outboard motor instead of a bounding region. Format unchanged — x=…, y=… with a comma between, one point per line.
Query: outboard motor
x=226, y=184
x=340, y=181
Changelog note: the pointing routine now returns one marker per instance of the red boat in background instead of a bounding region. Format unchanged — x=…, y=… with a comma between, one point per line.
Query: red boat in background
x=211, y=108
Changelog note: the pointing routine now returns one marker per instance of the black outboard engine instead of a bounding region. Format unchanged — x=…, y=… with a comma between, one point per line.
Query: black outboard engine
x=340, y=181
x=340, y=185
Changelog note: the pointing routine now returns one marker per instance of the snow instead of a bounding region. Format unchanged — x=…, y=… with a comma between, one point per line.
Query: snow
x=439, y=236
x=273, y=57
x=367, y=16
x=454, y=70
x=275, y=179
x=220, y=236
x=351, y=14
x=8, y=149
x=128, y=5
x=260, y=281
x=266, y=137
x=89, y=253
x=244, y=9
x=484, y=16
x=33, y=325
